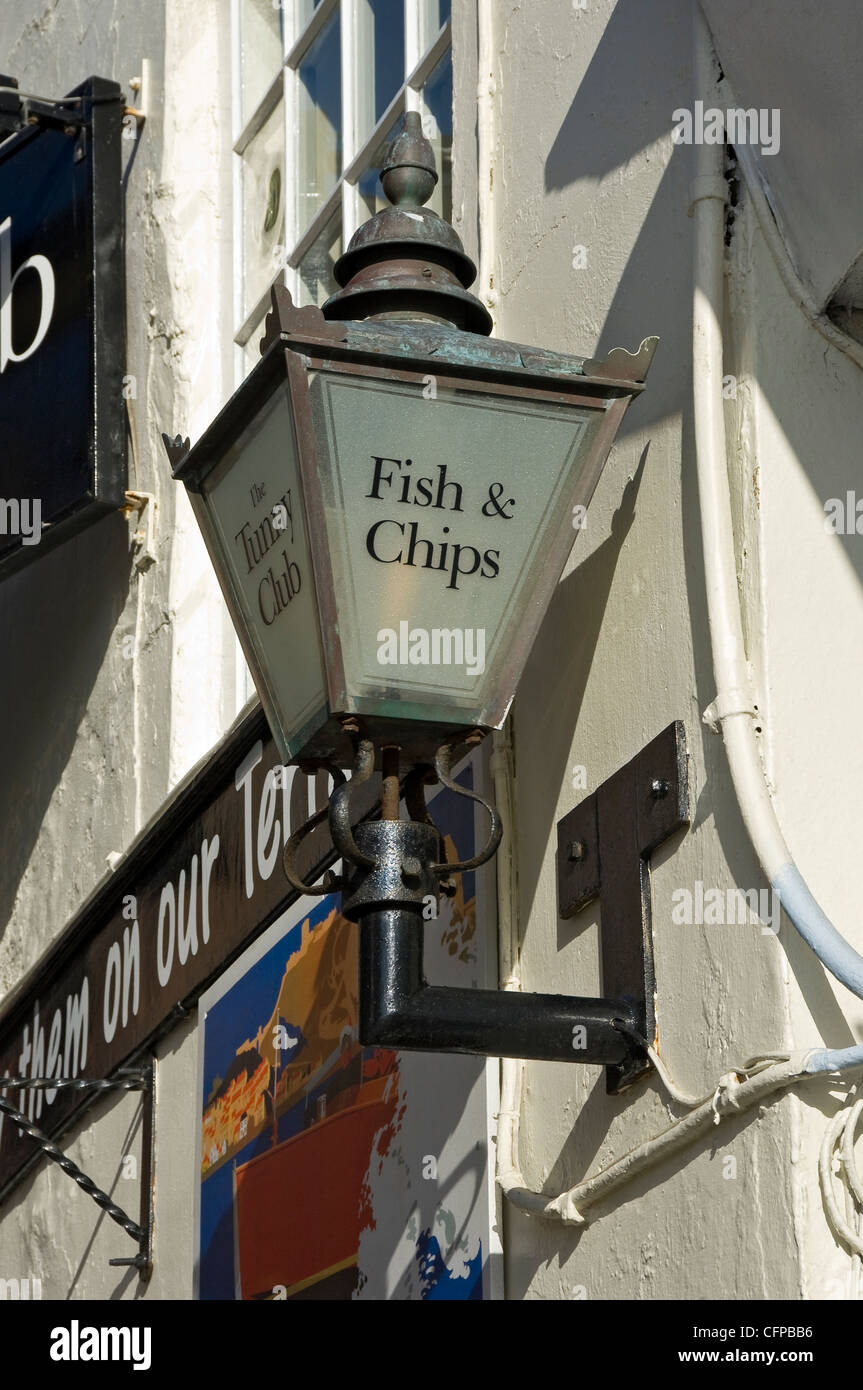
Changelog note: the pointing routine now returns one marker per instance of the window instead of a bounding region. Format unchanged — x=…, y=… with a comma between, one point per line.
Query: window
x=320, y=89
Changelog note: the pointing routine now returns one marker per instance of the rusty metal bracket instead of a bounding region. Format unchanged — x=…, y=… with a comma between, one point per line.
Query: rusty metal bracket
x=603, y=848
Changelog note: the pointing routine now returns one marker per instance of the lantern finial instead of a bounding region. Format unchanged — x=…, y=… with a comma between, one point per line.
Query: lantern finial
x=406, y=262
x=409, y=175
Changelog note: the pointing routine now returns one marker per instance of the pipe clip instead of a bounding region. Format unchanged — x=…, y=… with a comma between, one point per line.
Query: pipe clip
x=728, y=702
x=707, y=186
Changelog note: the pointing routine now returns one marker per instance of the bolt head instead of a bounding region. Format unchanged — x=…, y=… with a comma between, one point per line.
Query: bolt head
x=659, y=788
x=577, y=851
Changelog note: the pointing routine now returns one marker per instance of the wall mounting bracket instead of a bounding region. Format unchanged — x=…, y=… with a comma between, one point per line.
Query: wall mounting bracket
x=603, y=848
x=396, y=867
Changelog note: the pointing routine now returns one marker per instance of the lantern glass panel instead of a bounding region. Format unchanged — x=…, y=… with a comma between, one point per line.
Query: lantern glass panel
x=253, y=502
x=442, y=507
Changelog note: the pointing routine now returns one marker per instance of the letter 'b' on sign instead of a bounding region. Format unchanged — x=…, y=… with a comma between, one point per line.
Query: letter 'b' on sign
x=42, y=267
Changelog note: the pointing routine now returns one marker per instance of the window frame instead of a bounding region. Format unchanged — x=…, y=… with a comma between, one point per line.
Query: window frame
x=344, y=199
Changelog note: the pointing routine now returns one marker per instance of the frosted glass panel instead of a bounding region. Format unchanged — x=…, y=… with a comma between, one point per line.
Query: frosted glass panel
x=254, y=504
x=440, y=511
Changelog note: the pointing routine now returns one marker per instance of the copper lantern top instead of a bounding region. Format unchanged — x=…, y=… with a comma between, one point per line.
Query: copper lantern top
x=406, y=261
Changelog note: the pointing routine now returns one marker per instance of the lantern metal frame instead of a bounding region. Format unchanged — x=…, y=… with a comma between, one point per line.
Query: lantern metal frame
x=300, y=341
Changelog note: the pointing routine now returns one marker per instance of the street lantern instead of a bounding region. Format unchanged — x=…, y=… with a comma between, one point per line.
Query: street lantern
x=389, y=499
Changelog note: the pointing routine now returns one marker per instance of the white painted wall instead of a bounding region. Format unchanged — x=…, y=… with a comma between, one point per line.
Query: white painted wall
x=625, y=649
x=582, y=157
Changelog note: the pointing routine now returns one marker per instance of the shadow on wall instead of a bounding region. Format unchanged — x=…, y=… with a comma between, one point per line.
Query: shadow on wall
x=621, y=107
x=555, y=687
x=57, y=618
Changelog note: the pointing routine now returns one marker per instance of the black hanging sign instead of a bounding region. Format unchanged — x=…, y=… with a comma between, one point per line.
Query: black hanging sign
x=62, y=322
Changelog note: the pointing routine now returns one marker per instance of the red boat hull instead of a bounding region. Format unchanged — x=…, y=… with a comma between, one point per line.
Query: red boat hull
x=298, y=1207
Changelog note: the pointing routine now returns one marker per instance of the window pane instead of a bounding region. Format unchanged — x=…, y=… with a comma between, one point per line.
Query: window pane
x=260, y=51
x=382, y=65
x=437, y=125
x=369, y=183
x=304, y=11
x=263, y=208
x=320, y=122
x=317, y=281
x=434, y=14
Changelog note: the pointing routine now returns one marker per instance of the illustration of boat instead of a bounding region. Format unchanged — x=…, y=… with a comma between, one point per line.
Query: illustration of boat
x=303, y=1117
x=303, y=1085
x=300, y=1206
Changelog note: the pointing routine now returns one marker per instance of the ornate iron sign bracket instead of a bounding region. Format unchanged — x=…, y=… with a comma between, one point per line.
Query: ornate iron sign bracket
x=141, y=1078
x=603, y=848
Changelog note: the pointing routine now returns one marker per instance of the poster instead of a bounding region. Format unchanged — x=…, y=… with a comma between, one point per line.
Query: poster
x=332, y=1171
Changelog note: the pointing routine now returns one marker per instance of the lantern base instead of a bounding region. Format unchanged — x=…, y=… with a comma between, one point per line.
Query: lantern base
x=334, y=743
